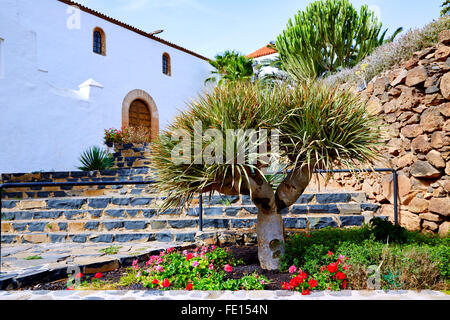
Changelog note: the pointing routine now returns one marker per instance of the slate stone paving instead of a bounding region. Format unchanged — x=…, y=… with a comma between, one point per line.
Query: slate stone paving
x=24, y=264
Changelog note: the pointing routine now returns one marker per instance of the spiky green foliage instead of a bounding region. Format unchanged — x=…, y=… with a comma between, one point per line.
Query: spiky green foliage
x=391, y=54
x=95, y=158
x=320, y=126
x=230, y=66
x=445, y=8
x=328, y=35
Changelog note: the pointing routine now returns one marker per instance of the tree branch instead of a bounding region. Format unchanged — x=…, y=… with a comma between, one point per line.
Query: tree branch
x=292, y=187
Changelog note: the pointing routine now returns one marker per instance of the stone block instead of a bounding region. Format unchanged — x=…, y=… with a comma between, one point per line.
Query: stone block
x=164, y=237
x=35, y=238
x=322, y=222
x=182, y=223
x=332, y=197
x=104, y=238
x=36, y=226
x=440, y=206
x=185, y=237
x=216, y=223
x=347, y=221
x=243, y=223
x=135, y=225
x=65, y=203
x=128, y=237
x=323, y=208
x=110, y=225
x=295, y=223
x=116, y=213
x=217, y=211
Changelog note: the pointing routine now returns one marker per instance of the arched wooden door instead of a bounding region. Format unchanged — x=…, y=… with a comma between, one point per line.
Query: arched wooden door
x=140, y=115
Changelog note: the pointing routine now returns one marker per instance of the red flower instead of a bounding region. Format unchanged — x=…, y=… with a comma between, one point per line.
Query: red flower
x=98, y=275
x=330, y=253
x=344, y=284
x=165, y=283
x=295, y=282
x=69, y=288
x=189, y=287
x=285, y=286
x=305, y=292
x=79, y=275
x=155, y=281
x=340, y=275
x=189, y=256
x=312, y=283
x=332, y=267
x=303, y=276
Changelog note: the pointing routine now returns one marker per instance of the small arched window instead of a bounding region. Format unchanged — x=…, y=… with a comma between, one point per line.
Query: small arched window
x=166, y=67
x=99, y=44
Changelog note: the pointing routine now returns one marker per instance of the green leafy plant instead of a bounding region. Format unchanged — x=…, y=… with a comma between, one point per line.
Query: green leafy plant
x=111, y=250
x=96, y=158
x=445, y=8
x=230, y=66
x=328, y=35
x=385, y=231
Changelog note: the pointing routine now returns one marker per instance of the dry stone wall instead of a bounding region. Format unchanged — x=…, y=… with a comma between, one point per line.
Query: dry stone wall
x=413, y=103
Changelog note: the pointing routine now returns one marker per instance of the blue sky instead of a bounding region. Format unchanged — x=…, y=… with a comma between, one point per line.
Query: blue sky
x=212, y=26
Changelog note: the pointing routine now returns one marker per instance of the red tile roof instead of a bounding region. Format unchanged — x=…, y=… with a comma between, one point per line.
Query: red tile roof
x=264, y=51
x=129, y=27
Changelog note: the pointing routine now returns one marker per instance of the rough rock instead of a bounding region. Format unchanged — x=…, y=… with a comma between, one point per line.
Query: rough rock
x=422, y=169
x=434, y=157
x=445, y=85
x=440, y=205
x=416, y=76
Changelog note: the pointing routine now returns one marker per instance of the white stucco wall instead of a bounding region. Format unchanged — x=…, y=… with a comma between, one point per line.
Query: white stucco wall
x=45, y=122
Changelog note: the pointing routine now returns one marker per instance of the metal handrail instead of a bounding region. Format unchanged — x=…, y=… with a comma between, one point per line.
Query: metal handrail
x=200, y=223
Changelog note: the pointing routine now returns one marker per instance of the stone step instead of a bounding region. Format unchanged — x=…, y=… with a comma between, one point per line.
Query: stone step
x=134, y=201
x=138, y=212
x=183, y=230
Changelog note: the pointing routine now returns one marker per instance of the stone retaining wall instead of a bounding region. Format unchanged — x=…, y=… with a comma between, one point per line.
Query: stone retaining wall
x=413, y=103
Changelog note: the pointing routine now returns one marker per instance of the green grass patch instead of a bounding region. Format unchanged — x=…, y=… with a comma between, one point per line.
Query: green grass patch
x=110, y=250
x=33, y=258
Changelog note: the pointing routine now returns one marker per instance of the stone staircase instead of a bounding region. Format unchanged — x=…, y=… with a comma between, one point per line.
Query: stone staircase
x=131, y=217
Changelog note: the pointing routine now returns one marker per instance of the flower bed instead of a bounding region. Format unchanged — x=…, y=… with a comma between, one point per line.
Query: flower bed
x=328, y=259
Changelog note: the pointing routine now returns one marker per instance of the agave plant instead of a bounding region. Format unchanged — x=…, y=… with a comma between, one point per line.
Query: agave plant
x=95, y=158
x=318, y=127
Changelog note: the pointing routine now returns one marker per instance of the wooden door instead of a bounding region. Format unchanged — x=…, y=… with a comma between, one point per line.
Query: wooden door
x=140, y=115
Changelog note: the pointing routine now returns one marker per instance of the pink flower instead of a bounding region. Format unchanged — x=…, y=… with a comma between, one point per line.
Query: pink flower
x=263, y=282
x=195, y=263
x=138, y=274
x=292, y=269
x=228, y=268
x=159, y=268
x=341, y=257
x=159, y=261
x=213, y=247
x=211, y=266
x=185, y=252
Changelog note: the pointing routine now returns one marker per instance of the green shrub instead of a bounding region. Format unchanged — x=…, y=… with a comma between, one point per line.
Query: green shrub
x=391, y=54
x=412, y=261
x=95, y=158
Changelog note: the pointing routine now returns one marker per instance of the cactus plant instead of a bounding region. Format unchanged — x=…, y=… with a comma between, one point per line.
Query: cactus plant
x=328, y=35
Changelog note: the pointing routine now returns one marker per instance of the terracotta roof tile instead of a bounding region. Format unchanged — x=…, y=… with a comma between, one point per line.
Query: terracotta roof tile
x=129, y=27
x=264, y=51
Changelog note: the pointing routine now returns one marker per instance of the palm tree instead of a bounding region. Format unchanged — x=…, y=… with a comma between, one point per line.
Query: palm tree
x=230, y=66
x=319, y=127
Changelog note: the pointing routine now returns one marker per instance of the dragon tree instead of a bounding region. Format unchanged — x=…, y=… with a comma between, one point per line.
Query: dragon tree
x=304, y=127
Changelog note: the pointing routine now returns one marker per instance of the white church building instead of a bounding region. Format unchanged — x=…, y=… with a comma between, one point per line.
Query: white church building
x=68, y=72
